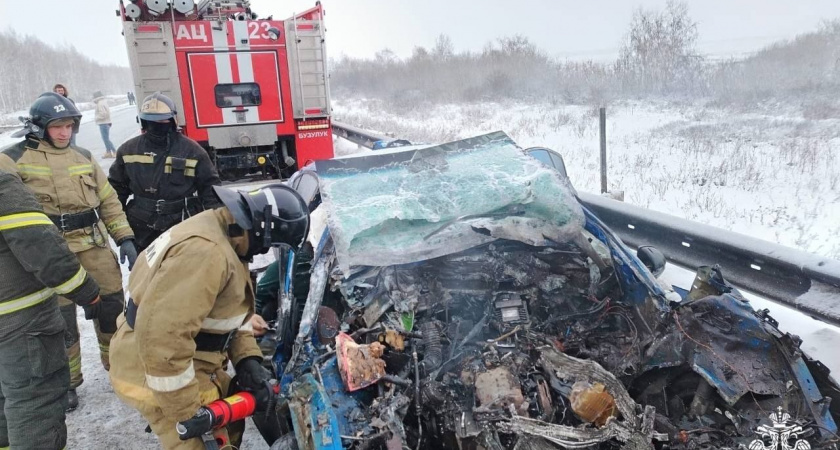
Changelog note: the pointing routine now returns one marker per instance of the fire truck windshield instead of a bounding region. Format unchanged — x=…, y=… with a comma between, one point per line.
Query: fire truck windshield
x=240, y=94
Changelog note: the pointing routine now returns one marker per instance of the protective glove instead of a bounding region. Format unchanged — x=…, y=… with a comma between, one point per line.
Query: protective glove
x=128, y=250
x=106, y=312
x=253, y=377
x=92, y=308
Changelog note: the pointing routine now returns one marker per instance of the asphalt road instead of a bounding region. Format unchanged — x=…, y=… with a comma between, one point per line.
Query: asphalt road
x=123, y=127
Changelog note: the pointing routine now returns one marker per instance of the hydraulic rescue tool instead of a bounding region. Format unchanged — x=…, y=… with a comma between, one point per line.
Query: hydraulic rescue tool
x=220, y=413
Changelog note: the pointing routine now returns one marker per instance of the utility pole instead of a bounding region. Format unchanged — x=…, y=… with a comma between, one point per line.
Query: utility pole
x=603, y=115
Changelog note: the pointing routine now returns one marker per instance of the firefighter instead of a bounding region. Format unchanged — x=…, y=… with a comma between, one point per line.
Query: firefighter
x=35, y=265
x=191, y=296
x=169, y=174
x=73, y=190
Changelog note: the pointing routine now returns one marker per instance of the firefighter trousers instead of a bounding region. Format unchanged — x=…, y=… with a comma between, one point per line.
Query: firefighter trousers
x=101, y=263
x=212, y=387
x=33, y=379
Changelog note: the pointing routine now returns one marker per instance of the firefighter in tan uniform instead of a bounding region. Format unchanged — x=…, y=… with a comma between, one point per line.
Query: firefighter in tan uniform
x=191, y=299
x=76, y=196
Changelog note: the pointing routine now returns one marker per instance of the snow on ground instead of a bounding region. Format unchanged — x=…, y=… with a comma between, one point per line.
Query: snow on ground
x=774, y=177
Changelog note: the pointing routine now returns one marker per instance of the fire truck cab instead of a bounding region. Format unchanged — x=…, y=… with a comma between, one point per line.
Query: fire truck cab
x=253, y=92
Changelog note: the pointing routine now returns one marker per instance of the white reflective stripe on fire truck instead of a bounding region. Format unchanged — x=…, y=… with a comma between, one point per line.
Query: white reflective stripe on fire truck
x=245, y=64
x=240, y=35
x=223, y=69
x=219, y=35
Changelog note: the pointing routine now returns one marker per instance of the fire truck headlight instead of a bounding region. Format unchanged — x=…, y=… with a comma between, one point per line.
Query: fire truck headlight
x=273, y=33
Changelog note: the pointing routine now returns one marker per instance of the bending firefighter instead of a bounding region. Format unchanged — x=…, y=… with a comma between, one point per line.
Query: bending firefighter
x=191, y=298
x=35, y=265
x=76, y=196
x=169, y=174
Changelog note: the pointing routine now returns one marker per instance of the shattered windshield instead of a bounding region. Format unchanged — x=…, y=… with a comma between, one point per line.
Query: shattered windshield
x=415, y=205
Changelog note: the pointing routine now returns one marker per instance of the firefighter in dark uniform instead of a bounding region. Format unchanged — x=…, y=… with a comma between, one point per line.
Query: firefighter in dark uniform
x=35, y=266
x=170, y=176
x=74, y=193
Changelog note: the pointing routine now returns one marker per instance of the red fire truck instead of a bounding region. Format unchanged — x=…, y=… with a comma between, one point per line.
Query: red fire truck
x=254, y=92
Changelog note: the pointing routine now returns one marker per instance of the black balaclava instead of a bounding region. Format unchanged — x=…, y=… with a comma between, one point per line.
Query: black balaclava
x=157, y=132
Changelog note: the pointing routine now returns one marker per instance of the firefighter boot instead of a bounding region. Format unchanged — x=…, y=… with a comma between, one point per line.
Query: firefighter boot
x=72, y=400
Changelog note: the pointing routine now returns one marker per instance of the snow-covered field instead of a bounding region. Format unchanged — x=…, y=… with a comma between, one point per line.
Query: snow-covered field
x=774, y=176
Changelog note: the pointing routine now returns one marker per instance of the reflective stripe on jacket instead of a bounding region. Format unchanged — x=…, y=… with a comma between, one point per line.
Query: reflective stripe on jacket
x=69, y=181
x=35, y=261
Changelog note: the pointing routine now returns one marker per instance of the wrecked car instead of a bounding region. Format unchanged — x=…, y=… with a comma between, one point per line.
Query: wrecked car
x=461, y=297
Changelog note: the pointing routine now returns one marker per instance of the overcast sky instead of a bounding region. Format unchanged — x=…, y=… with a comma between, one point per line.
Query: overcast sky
x=576, y=29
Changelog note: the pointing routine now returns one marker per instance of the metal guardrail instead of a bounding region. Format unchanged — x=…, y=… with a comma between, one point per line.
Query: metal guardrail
x=793, y=278
x=796, y=279
x=358, y=135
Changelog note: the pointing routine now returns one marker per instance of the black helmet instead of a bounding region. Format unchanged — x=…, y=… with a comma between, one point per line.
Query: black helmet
x=47, y=108
x=273, y=216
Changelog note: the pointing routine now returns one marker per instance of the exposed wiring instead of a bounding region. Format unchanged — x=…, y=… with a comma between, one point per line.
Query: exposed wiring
x=731, y=367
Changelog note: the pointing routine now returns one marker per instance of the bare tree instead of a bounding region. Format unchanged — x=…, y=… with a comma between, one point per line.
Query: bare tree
x=659, y=53
x=443, y=49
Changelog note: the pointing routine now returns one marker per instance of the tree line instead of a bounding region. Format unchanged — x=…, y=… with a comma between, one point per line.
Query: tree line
x=29, y=67
x=658, y=57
